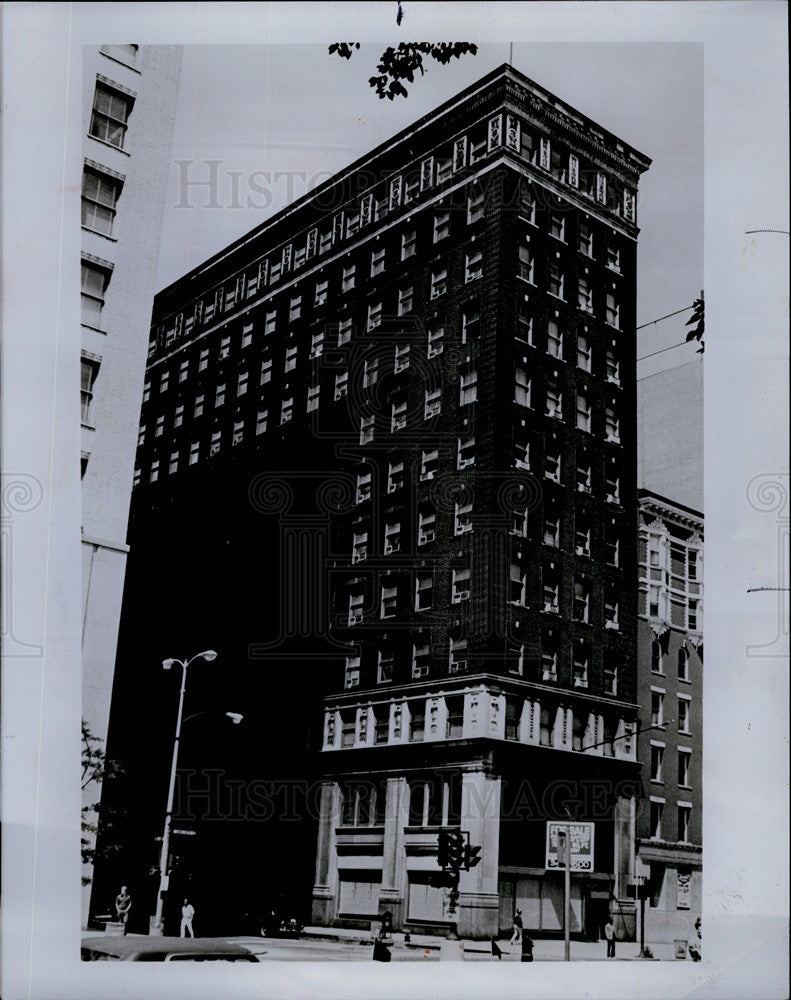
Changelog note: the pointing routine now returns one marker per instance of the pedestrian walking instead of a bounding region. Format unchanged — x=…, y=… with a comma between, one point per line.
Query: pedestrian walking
x=123, y=904
x=527, y=948
x=517, y=934
x=187, y=914
x=609, y=933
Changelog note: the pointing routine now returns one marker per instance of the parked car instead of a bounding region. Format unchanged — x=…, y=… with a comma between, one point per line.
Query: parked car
x=140, y=948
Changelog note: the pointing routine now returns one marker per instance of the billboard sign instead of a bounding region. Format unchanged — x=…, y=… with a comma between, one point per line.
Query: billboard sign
x=581, y=841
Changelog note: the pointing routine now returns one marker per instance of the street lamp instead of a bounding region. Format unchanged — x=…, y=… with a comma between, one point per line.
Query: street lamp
x=156, y=924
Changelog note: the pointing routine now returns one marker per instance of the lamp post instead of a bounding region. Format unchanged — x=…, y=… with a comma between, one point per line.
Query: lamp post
x=156, y=923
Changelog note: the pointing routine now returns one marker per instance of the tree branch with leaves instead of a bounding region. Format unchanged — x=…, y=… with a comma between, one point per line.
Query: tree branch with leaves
x=403, y=61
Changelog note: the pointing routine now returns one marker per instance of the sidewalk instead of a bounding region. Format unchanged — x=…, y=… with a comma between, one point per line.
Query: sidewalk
x=545, y=950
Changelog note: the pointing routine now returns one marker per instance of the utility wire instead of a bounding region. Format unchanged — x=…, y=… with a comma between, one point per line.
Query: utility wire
x=653, y=321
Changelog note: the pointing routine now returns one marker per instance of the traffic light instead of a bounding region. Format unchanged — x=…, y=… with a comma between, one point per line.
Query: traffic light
x=698, y=317
x=443, y=848
x=471, y=856
x=450, y=850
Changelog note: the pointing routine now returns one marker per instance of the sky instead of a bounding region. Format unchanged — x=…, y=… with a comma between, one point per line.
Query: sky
x=299, y=115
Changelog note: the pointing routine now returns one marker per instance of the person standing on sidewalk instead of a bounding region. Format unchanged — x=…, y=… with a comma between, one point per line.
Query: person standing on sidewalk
x=517, y=935
x=123, y=904
x=609, y=933
x=187, y=913
x=527, y=948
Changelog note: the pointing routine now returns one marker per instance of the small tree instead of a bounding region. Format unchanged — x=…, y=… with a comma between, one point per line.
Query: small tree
x=100, y=830
x=403, y=61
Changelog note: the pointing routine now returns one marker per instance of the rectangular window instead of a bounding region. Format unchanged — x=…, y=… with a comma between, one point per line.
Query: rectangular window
x=657, y=757
x=524, y=323
x=657, y=807
x=612, y=486
x=241, y=383
x=433, y=403
x=556, y=281
x=317, y=344
x=526, y=268
x=291, y=359
x=585, y=295
x=392, y=539
x=583, y=413
x=557, y=226
x=395, y=476
x=215, y=443
x=159, y=429
x=194, y=453
x=612, y=425
x=203, y=361
x=287, y=410
x=110, y=115
x=475, y=206
x=582, y=536
x=554, y=340
x=684, y=760
x=454, y=729
x=460, y=586
x=470, y=325
x=429, y=464
x=366, y=430
x=426, y=531
x=513, y=718
x=352, y=678
x=363, y=487
x=219, y=395
x=356, y=600
x=611, y=606
x=261, y=421
x=581, y=665
x=610, y=677
x=585, y=239
x=683, y=715
x=441, y=226
x=95, y=280
x=377, y=262
x=583, y=474
x=266, y=371
x=550, y=655
x=581, y=600
x=613, y=257
x=184, y=371
x=417, y=724
x=421, y=662
x=348, y=278
x=238, y=433
x=522, y=388
x=398, y=418
x=613, y=368
x=295, y=308
x=517, y=588
x=374, y=315
x=341, y=385
x=527, y=204
x=321, y=293
x=89, y=369
x=424, y=589
x=551, y=528
x=657, y=708
x=154, y=473
x=465, y=452
x=199, y=400
x=554, y=401
x=389, y=602
x=463, y=519
x=99, y=196
x=613, y=311
x=458, y=656
x=359, y=547
x=684, y=817
x=401, y=362
x=313, y=399
x=552, y=466
x=439, y=283
x=435, y=340
x=522, y=454
x=408, y=244
x=270, y=322
x=384, y=672
x=473, y=265
x=468, y=389
x=583, y=353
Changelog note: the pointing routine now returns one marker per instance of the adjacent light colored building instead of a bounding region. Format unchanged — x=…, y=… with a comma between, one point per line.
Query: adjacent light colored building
x=128, y=101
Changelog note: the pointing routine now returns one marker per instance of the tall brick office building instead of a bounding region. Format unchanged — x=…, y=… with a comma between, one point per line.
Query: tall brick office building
x=388, y=448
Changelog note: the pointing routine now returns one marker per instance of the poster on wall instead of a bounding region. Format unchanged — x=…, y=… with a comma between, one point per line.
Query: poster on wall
x=581, y=838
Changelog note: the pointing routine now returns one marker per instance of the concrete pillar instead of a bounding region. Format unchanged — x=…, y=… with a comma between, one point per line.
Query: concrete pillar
x=478, y=913
x=325, y=889
x=393, y=892
x=624, y=915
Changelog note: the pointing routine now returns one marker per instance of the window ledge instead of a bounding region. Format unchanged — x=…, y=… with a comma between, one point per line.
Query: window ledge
x=97, y=232
x=109, y=145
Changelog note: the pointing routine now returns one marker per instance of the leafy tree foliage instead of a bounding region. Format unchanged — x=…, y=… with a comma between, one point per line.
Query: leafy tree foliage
x=403, y=61
x=101, y=832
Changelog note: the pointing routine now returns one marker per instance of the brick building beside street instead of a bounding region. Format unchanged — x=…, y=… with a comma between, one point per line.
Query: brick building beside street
x=670, y=693
x=387, y=459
